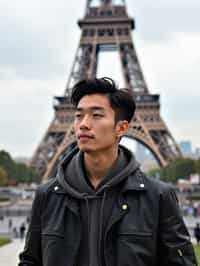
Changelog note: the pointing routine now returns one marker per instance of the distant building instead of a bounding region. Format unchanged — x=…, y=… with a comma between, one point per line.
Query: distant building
x=197, y=153
x=186, y=147
x=185, y=185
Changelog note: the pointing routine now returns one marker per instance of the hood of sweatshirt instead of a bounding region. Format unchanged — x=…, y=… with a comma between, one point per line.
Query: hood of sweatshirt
x=72, y=177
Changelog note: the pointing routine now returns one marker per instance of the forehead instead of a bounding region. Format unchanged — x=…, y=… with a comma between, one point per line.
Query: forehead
x=94, y=101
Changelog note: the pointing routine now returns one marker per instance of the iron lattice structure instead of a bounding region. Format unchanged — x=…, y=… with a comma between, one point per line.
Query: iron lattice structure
x=106, y=26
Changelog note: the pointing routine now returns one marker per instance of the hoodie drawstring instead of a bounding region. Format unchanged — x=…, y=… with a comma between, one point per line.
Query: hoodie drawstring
x=101, y=227
x=85, y=197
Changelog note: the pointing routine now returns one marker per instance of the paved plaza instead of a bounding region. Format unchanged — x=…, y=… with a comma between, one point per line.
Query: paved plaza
x=9, y=253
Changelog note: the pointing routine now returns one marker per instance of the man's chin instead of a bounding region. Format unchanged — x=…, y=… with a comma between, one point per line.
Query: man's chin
x=84, y=148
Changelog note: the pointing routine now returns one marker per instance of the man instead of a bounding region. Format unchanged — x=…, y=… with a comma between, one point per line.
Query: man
x=197, y=233
x=101, y=210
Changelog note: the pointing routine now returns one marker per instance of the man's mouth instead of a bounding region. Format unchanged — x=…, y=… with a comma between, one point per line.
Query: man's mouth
x=85, y=137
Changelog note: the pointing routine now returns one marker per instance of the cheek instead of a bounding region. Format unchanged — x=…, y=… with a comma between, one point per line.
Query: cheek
x=107, y=130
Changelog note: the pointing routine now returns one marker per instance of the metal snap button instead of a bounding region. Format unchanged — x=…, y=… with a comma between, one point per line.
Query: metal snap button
x=56, y=188
x=124, y=207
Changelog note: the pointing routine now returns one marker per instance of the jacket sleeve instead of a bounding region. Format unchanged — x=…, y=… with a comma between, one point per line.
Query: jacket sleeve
x=31, y=255
x=174, y=244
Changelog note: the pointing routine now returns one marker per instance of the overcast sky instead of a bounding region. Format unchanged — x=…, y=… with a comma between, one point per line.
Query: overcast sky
x=37, y=48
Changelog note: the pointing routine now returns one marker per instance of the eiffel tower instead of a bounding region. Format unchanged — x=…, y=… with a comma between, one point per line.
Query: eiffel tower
x=106, y=26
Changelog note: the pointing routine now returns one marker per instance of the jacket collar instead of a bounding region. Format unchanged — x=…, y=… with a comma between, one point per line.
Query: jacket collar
x=136, y=182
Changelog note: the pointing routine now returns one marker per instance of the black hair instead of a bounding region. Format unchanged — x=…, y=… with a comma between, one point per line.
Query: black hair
x=121, y=100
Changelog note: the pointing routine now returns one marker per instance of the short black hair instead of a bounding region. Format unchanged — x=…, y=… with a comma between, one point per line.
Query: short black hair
x=121, y=100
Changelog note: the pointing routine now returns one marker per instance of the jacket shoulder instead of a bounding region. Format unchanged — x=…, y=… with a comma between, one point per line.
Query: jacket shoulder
x=46, y=187
x=164, y=192
x=158, y=185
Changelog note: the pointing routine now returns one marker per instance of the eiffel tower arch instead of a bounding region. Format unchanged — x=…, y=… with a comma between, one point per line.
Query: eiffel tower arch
x=106, y=26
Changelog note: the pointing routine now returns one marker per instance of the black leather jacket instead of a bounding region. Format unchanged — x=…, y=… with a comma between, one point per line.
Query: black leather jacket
x=145, y=228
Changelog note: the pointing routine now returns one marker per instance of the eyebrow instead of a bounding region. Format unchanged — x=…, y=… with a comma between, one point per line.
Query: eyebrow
x=92, y=108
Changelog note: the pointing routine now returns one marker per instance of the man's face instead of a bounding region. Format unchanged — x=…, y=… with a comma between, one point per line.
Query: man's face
x=94, y=124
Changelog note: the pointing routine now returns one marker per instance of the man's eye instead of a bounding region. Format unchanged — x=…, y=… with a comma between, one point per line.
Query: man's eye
x=77, y=115
x=97, y=115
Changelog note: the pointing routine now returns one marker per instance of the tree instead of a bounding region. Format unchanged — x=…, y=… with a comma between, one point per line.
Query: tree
x=197, y=166
x=6, y=162
x=17, y=172
x=3, y=176
x=179, y=168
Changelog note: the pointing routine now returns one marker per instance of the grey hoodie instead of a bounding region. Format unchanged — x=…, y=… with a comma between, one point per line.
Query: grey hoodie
x=95, y=204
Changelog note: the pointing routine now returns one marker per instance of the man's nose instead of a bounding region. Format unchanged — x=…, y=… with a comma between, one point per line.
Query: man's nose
x=85, y=122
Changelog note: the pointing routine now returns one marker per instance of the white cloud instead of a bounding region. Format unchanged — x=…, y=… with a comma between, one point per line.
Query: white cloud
x=166, y=61
x=25, y=112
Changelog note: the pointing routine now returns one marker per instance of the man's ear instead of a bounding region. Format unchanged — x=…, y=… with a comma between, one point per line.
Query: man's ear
x=122, y=128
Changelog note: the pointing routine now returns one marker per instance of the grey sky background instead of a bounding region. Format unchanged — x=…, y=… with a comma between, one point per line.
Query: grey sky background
x=37, y=49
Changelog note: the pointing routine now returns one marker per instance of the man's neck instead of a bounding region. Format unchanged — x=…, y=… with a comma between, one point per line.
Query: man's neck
x=97, y=165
